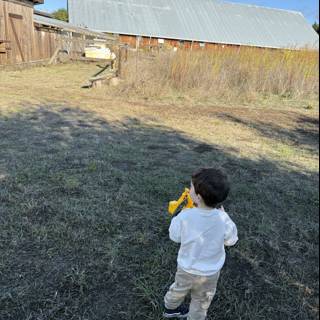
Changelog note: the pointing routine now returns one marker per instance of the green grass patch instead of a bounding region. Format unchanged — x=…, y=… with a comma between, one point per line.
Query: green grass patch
x=83, y=207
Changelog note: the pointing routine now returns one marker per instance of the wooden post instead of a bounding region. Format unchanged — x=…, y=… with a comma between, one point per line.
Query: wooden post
x=126, y=57
x=119, y=62
x=54, y=56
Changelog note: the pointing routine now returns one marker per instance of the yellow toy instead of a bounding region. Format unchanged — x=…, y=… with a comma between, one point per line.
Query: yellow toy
x=184, y=199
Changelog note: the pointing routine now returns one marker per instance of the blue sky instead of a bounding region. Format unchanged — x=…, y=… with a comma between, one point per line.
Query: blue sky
x=310, y=8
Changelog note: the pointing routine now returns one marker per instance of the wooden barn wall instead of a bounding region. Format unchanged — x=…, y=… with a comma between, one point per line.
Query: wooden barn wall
x=16, y=32
x=45, y=43
x=146, y=42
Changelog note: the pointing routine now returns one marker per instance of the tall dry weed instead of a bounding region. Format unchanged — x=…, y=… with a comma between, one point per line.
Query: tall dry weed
x=224, y=73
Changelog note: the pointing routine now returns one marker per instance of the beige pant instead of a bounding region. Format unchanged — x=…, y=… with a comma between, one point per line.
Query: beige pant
x=202, y=291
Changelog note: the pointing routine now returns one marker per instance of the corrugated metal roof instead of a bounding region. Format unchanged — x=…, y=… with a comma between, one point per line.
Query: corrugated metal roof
x=47, y=21
x=196, y=20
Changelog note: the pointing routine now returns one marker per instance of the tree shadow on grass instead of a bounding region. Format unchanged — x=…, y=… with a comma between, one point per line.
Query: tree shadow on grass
x=304, y=133
x=83, y=231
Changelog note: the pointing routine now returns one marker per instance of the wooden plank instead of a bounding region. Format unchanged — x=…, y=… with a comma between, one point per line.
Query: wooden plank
x=54, y=56
x=91, y=59
x=97, y=78
x=109, y=64
x=15, y=16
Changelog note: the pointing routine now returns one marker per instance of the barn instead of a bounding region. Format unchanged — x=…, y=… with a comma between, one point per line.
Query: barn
x=194, y=23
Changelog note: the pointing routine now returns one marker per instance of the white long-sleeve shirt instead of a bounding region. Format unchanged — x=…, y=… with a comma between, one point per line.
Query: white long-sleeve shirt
x=203, y=235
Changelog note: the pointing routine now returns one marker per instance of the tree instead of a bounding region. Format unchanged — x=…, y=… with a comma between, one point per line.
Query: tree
x=316, y=26
x=61, y=14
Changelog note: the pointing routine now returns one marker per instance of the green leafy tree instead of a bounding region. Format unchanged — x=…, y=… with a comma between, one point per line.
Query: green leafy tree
x=61, y=14
x=316, y=26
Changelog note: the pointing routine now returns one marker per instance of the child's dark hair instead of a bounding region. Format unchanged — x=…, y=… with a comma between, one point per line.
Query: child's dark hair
x=212, y=184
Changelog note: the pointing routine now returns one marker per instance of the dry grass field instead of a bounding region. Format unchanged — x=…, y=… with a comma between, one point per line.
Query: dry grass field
x=86, y=176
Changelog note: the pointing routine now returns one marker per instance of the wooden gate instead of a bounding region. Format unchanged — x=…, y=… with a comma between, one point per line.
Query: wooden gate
x=15, y=32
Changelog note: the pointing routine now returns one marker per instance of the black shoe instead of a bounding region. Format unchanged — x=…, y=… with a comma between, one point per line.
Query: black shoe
x=181, y=312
